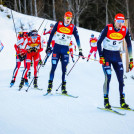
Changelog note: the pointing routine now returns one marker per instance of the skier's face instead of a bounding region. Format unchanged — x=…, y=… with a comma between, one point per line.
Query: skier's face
x=119, y=23
x=67, y=20
x=34, y=38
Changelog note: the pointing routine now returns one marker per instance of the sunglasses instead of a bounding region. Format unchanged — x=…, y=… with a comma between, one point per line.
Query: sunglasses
x=34, y=37
x=68, y=18
x=120, y=21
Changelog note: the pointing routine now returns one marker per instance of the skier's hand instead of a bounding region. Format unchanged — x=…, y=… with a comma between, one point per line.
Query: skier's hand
x=81, y=54
x=32, y=49
x=40, y=62
x=48, y=50
x=45, y=29
x=102, y=60
x=29, y=50
x=131, y=65
x=22, y=51
x=35, y=49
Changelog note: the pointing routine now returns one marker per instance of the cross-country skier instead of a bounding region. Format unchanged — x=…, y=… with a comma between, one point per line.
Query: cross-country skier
x=1, y=46
x=20, y=55
x=64, y=31
x=72, y=47
x=93, y=45
x=49, y=31
x=112, y=37
x=33, y=46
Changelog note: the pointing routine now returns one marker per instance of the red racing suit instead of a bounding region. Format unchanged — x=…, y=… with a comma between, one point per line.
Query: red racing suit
x=33, y=49
x=93, y=45
x=20, y=56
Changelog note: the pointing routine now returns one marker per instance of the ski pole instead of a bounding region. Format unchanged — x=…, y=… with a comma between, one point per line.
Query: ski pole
x=45, y=27
x=14, y=24
x=46, y=57
x=41, y=24
x=73, y=66
x=69, y=72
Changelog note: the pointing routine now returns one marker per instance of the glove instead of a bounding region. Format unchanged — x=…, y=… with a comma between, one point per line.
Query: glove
x=102, y=60
x=48, y=50
x=81, y=54
x=22, y=52
x=45, y=29
x=40, y=62
x=131, y=65
x=32, y=49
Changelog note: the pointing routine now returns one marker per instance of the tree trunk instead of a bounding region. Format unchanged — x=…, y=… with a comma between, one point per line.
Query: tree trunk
x=107, y=12
x=54, y=14
x=77, y=12
x=15, y=5
x=1, y=2
x=25, y=7
x=128, y=16
x=20, y=6
x=31, y=7
x=35, y=8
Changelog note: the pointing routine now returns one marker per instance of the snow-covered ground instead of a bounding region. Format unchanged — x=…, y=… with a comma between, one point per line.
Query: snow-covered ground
x=32, y=113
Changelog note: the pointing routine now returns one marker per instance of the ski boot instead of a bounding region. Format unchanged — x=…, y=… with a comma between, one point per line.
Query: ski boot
x=21, y=83
x=35, y=82
x=12, y=83
x=106, y=102
x=50, y=85
x=63, y=88
x=26, y=82
x=122, y=101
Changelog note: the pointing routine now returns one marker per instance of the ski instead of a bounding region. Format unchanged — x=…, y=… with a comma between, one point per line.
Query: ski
x=19, y=89
x=132, y=77
x=69, y=95
x=112, y=110
x=129, y=109
x=36, y=88
x=47, y=94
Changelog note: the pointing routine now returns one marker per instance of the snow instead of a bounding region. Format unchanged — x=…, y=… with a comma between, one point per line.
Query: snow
x=32, y=113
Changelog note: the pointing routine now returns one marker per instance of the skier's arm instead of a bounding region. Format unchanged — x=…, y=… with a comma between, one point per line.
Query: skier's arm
x=76, y=35
x=52, y=34
x=129, y=45
x=19, y=42
x=100, y=40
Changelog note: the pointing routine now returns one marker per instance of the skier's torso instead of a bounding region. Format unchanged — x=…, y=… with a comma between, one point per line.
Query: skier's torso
x=93, y=42
x=114, y=39
x=63, y=34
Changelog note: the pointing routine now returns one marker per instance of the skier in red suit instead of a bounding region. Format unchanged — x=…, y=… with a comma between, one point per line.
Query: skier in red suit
x=33, y=46
x=20, y=55
x=93, y=45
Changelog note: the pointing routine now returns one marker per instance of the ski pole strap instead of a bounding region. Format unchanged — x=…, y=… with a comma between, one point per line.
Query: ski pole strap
x=73, y=66
x=85, y=57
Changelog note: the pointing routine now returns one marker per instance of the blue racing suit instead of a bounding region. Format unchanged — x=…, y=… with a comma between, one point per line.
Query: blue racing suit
x=113, y=58
x=61, y=52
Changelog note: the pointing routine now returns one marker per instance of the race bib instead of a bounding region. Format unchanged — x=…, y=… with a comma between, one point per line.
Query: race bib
x=62, y=39
x=113, y=45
